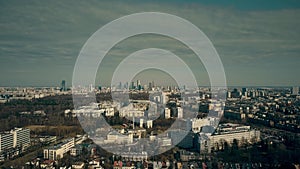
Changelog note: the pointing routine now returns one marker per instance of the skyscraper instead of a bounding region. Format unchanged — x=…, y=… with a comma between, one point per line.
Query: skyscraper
x=63, y=85
x=244, y=91
x=126, y=85
x=91, y=88
x=295, y=90
x=138, y=84
x=132, y=85
x=164, y=98
x=120, y=85
x=150, y=86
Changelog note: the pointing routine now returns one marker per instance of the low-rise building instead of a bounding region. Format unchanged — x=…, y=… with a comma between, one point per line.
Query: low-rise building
x=133, y=110
x=165, y=141
x=57, y=152
x=76, y=150
x=227, y=133
x=167, y=113
x=179, y=112
x=116, y=138
x=47, y=139
x=78, y=165
x=95, y=164
x=149, y=123
x=198, y=123
x=230, y=114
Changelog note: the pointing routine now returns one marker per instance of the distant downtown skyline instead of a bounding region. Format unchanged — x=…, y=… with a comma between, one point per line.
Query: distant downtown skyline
x=258, y=41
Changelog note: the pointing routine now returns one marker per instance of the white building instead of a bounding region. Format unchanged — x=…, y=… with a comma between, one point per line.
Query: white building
x=167, y=113
x=134, y=156
x=149, y=123
x=156, y=99
x=21, y=137
x=164, y=98
x=117, y=138
x=227, y=133
x=109, y=112
x=94, y=109
x=165, y=141
x=131, y=111
x=95, y=164
x=57, y=152
x=197, y=124
x=141, y=123
x=18, y=137
x=6, y=141
x=80, y=138
x=179, y=112
x=78, y=165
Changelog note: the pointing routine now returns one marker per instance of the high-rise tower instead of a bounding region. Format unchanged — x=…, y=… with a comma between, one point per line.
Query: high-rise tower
x=295, y=90
x=63, y=85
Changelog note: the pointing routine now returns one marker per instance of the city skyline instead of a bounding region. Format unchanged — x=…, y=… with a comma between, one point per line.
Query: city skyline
x=258, y=44
x=142, y=84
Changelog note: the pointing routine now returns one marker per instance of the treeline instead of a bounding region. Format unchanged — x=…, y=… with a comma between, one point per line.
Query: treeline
x=53, y=106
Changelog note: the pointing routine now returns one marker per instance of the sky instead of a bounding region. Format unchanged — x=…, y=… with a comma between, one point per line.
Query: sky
x=258, y=41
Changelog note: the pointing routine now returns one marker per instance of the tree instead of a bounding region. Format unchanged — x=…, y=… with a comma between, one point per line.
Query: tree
x=235, y=144
x=226, y=146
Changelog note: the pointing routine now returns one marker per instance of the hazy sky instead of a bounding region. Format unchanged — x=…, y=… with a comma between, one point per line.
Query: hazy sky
x=258, y=41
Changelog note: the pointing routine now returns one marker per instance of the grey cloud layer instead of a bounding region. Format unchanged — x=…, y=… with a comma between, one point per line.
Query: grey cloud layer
x=38, y=38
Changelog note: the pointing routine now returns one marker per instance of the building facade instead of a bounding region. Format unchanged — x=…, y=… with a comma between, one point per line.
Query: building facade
x=167, y=113
x=227, y=134
x=57, y=152
x=6, y=141
x=18, y=137
x=21, y=137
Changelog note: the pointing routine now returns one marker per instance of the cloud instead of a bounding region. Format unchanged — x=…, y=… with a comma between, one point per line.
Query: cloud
x=49, y=35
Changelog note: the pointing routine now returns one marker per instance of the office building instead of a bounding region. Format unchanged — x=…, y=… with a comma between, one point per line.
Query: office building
x=295, y=90
x=132, y=85
x=138, y=85
x=63, y=85
x=150, y=86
